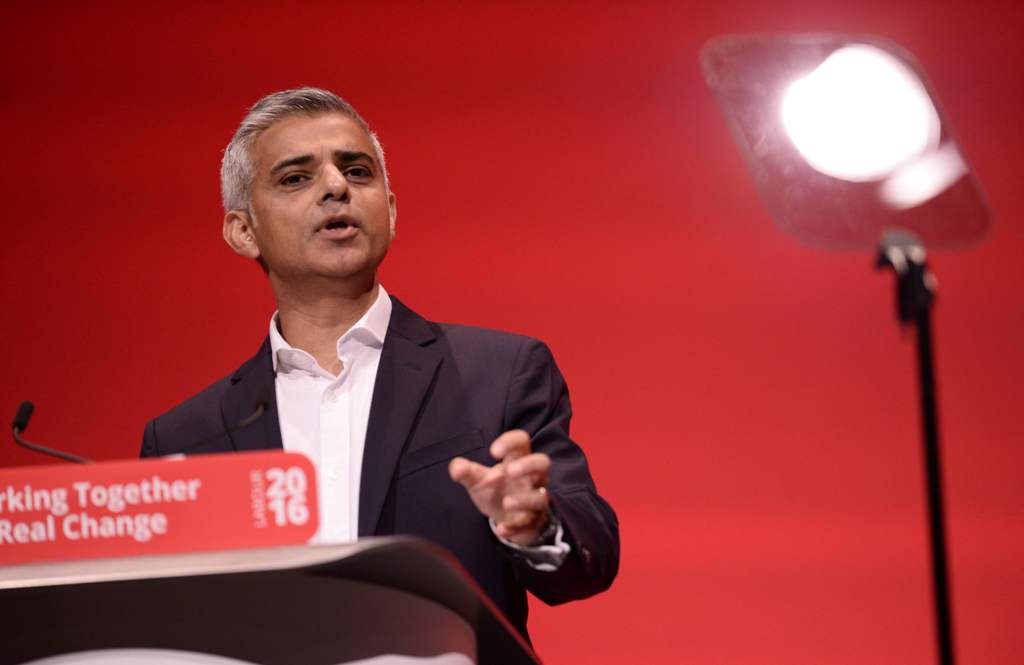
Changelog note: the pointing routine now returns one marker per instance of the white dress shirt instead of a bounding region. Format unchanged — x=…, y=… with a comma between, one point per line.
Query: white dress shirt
x=325, y=416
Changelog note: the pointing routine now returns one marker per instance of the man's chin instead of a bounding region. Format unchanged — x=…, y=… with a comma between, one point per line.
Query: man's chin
x=354, y=278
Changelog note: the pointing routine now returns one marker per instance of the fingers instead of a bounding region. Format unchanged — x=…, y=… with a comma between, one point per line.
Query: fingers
x=532, y=501
x=535, y=467
x=524, y=516
x=522, y=533
x=467, y=473
x=524, y=524
x=511, y=492
x=511, y=445
x=509, y=533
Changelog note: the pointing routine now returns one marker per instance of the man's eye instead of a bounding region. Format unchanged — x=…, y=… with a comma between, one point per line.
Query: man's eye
x=358, y=172
x=292, y=179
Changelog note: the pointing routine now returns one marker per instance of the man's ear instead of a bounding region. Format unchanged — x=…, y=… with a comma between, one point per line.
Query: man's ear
x=238, y=234
x=392, y=212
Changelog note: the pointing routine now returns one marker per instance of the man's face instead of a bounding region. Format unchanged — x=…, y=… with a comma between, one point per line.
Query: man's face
x=320, y=207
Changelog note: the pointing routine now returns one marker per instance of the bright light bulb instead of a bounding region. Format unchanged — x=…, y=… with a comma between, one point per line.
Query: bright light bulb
x=860, y=115
x=923, y=179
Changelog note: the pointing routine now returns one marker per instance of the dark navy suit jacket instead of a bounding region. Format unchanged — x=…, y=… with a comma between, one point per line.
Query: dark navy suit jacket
x=441, y=391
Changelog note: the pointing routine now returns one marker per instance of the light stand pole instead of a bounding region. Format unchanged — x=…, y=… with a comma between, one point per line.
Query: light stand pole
x=915, y=292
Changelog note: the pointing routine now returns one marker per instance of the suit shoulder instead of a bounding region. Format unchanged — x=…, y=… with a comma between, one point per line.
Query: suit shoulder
x=462, y=337
x=203, y=415
x=484, y=335
x=206, y=403
x=192, y=420
x=492, y=352
x=198, y=413
x=458, y=337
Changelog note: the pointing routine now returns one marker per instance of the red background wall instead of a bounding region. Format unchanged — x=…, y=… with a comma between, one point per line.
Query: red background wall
x=748, y=404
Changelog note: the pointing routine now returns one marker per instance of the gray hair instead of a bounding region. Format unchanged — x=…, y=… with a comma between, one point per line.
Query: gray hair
x=237, y=169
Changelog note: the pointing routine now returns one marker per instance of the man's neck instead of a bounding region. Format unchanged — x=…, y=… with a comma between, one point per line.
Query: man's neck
x=314, y=319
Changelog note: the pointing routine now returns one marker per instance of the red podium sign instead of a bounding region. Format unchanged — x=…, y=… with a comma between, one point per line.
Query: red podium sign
x=158, y=506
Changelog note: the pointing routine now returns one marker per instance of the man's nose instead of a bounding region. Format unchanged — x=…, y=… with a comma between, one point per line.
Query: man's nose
x=335, y=185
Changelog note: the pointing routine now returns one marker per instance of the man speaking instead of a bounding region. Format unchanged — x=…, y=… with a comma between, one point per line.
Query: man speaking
x=455, y=434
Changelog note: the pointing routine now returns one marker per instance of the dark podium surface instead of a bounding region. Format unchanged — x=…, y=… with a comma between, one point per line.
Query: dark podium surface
x=296, y=605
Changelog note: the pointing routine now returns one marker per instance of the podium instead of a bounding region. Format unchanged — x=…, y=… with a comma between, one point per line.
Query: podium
x=395, y=599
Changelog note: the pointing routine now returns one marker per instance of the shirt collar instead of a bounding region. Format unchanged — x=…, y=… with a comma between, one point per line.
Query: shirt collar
x=369, y=330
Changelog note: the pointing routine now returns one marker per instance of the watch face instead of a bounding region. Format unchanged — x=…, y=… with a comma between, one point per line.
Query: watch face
x=547, y=537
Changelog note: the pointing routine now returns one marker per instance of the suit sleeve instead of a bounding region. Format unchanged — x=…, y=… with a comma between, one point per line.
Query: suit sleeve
x=538, y=402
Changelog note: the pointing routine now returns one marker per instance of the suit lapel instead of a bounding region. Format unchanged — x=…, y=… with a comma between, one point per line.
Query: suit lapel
x=406, y=371
x=251, y=385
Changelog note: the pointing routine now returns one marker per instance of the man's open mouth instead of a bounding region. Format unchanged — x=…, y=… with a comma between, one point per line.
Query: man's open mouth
x=339, y=225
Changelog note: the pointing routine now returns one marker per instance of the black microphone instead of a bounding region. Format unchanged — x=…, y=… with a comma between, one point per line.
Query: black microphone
x=25, y=410
x=23, y=415
x=20, y=424
x=262, y=405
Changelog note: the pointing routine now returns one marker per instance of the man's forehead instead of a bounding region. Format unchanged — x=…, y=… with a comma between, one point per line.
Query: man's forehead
x=303, y=134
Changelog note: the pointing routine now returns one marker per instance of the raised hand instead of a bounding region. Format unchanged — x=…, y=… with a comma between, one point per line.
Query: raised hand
x=513, y=492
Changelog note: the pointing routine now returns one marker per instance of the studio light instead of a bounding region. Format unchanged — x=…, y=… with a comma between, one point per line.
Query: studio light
x=860, y=115
x=849, y=152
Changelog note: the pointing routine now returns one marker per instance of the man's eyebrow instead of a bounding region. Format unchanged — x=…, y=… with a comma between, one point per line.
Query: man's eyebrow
x=291, y=161
x=349, y=156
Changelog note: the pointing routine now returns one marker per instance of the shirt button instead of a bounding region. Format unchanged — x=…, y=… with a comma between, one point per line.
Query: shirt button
x=332, y=474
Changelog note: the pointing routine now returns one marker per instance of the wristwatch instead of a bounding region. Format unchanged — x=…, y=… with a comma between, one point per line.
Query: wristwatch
x=547, y=536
